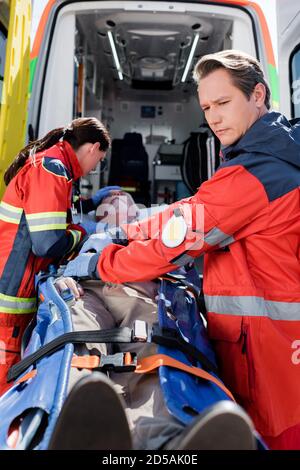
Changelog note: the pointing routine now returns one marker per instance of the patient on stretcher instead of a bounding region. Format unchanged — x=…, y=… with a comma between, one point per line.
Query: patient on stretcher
x=151, y=395
x=143, y=419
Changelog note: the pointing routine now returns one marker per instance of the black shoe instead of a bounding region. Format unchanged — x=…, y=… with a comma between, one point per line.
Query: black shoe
x=223, y=426
x=92, y=418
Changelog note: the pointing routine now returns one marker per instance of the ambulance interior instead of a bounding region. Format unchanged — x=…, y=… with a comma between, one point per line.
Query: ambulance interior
x=132, y=68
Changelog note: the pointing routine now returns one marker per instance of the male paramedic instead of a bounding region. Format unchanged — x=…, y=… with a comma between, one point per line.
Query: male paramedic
x=251, y=241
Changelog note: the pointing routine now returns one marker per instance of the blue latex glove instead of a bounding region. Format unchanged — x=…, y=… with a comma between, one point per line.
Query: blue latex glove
x=83, y=266
x=89, y=226
x=103, y=193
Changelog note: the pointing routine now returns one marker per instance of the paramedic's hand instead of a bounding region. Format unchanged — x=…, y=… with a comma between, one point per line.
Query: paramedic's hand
x=84, y=266
x=103, y=193
x=89, y=226
x=96, y=243
x=63, y=283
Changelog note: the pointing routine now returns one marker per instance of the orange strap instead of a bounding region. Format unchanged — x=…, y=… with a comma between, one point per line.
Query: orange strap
x=149, y=364
x=92, y=362
x=144, y=365
x=82, y=362
x=27, y=376
x=85, y=362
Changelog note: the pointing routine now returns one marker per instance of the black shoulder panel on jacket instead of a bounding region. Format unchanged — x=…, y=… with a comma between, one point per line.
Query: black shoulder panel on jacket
x=55, y=166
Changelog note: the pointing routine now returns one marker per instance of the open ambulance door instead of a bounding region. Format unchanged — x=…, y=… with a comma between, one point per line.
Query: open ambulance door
x=15, y=86
x=130, y=64
x=288, y=22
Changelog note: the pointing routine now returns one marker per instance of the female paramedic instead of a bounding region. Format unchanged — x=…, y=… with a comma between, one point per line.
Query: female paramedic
x=35, y=221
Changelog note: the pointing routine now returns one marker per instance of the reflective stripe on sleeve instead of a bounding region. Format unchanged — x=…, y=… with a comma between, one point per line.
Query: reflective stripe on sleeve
x=213, y=237
x=9, y=304
x=182, y=260
x=47, y=221
x=226, y=242
x=9, y=213
x=76, y=238
x=216, y=236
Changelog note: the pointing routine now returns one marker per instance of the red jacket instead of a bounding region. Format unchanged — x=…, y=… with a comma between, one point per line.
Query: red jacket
x=251, y=241
x=36, y=229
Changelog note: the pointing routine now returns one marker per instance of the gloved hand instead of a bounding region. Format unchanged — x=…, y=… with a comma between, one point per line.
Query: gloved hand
x=89, y=226
x=96, y=242
x=101, y=227
x=84, y=266
x=103, y=193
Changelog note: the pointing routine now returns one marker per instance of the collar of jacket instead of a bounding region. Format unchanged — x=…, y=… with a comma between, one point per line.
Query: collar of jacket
x=69, y=159
x=237, y=148
x=273, y=135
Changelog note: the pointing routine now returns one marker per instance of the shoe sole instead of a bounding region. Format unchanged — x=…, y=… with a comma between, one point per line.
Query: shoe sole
x=92, y=418
x=224, y=427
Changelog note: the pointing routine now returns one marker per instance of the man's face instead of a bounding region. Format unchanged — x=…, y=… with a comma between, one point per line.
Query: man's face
x=227, y=110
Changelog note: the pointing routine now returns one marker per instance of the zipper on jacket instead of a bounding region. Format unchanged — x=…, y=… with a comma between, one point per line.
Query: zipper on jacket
x=244, y=339
x=27, y=284
x=246, y=349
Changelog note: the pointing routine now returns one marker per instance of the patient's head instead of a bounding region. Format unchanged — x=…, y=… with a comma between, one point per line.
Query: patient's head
x=117, y=209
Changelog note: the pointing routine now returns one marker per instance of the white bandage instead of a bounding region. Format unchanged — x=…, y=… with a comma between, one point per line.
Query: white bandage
x=174, y=232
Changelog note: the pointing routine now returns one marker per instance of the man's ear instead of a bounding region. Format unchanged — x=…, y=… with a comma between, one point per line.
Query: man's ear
x=259, y=94
x=95, y=147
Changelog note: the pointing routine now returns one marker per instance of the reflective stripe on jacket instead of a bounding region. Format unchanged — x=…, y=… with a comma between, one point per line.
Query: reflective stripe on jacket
x=251, y=241
x=35, y=230
x=35, y=224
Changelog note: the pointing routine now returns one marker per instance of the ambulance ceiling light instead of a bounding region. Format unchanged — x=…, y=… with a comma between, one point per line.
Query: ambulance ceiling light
x=152, y=32
x=190, y=58
x=115, y=55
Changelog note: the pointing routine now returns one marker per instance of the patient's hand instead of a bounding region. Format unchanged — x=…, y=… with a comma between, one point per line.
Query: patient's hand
x=63, y=283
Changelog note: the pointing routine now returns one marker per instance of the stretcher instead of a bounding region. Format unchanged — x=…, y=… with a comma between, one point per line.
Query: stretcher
x=30, y=408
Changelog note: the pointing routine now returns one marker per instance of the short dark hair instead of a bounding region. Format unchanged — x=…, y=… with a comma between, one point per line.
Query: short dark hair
x=245, y=71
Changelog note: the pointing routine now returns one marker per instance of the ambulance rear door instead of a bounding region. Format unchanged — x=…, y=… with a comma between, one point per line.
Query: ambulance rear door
x=14, y=95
